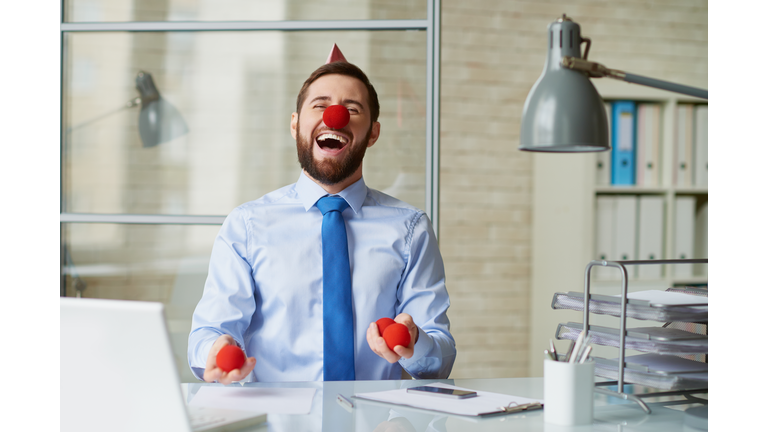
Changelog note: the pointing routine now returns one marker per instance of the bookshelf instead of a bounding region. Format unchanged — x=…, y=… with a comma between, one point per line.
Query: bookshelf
x=565, y=193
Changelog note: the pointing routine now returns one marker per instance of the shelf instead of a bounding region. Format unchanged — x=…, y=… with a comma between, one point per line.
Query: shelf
x=690, y=191
x=666, y=281
x=566, y=216
x=694, y=280
x=629, y=190
x=641, y=190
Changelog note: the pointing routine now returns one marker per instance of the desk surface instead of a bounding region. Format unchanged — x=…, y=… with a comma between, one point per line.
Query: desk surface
x=611, y=414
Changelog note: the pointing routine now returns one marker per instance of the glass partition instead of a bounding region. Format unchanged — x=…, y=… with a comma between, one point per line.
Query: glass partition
x=138, y=222
x=236, y=92
x=164, y=263
x=160, y=263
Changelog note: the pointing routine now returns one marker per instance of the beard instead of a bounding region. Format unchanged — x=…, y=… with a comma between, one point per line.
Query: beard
x=330, y=171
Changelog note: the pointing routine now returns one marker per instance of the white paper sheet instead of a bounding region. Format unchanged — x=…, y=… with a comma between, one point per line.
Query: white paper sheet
x=483, y=403
x=668, y=298
x=667, y=363
x=268, y=400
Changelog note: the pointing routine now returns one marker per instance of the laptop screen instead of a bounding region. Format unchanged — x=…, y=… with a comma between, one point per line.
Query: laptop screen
x=117, y=368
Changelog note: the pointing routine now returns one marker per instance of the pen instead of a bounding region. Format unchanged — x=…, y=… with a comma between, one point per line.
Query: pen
x=577, y=347
x=550, y=355
x=585, y=355
x=344, y=401
x=568, y=353
x=584, y=345
x=553, y=350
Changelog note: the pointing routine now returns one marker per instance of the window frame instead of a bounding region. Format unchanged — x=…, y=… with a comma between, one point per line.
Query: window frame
x=431, y=25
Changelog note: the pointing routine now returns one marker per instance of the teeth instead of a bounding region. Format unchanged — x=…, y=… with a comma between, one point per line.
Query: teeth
x=326, y=136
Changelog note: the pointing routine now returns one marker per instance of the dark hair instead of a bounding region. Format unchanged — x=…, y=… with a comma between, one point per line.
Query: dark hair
x=341, y=68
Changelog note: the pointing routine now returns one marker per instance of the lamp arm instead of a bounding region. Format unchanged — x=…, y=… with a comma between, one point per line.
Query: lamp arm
x=130, y=104
x=666, y=85
x=596, y=70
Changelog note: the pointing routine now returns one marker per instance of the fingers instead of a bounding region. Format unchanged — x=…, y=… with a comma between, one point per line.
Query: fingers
x=405, y=352
x=248, y=366
x=378, y=345
x=413, y=329
x=213, y=373
x=229, y=377
x=220, y=343
x=237, y=374
x=372, y=333
x=404, y=319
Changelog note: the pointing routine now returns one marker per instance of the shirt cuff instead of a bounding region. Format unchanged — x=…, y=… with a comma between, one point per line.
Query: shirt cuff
x=202, y=355
x=423, y=346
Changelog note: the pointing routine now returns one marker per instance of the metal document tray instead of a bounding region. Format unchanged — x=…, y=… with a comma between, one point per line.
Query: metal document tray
x=659, y=340
x=637, y=309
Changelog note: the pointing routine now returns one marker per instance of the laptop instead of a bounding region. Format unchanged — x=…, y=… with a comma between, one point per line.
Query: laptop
x=118, y=373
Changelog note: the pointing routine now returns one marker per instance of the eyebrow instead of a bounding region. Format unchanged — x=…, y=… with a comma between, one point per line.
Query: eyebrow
x=345, y=101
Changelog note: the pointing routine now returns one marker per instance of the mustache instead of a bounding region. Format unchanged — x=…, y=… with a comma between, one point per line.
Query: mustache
x=324, y=129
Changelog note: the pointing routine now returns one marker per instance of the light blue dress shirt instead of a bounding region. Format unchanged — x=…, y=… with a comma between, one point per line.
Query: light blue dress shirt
x=265, y=285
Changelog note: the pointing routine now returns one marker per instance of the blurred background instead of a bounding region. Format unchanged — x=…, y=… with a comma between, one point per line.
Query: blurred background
x=514, y=227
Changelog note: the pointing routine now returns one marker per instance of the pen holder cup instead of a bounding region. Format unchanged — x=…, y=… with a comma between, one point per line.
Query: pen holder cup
x=568, y=392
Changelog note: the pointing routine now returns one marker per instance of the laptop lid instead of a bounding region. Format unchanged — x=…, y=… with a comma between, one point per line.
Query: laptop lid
x=117, y=368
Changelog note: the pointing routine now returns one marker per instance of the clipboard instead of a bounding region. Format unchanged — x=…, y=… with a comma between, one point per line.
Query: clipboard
x=484, y=404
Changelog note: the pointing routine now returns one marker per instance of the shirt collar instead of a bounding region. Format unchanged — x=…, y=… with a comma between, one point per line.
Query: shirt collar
x=309, y=192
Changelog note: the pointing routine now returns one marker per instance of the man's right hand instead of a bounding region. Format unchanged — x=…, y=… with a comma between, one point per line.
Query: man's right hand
x=213, y=373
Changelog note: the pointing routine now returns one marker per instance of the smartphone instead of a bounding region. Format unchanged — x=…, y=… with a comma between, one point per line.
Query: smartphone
x=443, y=392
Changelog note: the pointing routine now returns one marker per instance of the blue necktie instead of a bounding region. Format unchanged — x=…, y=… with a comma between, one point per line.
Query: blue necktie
x=338, y=327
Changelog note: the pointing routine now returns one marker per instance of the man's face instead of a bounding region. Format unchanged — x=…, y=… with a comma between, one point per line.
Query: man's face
x=328, y=155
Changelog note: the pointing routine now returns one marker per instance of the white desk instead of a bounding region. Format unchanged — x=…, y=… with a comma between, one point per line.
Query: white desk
x=610, y=414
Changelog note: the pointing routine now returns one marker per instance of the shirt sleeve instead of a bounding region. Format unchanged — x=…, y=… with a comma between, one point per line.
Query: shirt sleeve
x=423, y=295
x=227, y=304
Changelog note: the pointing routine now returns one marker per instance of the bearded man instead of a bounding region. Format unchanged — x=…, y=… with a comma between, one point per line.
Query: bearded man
x=273, y=287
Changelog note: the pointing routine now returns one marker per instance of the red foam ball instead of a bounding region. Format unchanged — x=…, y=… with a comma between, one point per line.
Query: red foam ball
x=230, y=357
x=384, y=323
x=336, y=116
x=397, y=334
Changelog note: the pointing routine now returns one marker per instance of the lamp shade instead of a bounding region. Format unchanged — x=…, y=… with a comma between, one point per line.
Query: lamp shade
x=159, y=121
x=563, y=111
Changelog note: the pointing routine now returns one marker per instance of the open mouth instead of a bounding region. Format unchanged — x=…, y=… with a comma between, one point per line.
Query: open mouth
x=331, y=141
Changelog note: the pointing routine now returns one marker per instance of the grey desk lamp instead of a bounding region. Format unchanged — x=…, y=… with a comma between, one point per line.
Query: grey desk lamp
x=563, y=111
x=159, y=120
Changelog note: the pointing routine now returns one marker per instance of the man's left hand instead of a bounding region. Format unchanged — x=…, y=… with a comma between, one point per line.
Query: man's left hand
x=379, y=345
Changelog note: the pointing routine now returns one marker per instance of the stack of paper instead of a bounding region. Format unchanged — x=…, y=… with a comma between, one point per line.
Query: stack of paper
x=262, y=399
x=659, y=306
x=658, y=371
x=659, y=340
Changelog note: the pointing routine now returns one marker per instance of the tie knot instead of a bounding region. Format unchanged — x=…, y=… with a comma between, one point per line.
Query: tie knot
x=332, y=203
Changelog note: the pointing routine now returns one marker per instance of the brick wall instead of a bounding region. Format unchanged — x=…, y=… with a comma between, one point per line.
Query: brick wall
x=492, y=53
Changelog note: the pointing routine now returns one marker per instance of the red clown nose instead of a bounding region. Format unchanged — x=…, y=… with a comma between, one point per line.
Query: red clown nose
x=230, y=357
x=336, y=116
x=396, y=334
